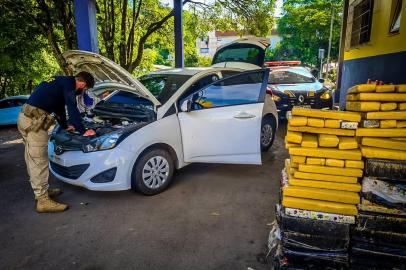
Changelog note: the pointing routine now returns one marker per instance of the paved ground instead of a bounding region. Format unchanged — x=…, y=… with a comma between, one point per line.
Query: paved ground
x=212, y=217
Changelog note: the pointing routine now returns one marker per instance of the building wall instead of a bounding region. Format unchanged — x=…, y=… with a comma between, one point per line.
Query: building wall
x=382, y=58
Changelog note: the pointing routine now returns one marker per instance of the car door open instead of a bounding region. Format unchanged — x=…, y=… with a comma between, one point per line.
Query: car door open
x=221, y=123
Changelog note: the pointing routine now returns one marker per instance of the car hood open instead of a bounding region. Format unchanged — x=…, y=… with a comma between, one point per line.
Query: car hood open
x=106, y=71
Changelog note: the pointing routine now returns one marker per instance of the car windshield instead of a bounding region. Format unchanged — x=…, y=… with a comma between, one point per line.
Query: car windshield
x=290, y=76
x=163, y=86
x=246, y=53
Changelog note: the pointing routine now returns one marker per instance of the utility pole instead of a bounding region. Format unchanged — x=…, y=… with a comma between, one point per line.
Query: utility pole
x=329, y=40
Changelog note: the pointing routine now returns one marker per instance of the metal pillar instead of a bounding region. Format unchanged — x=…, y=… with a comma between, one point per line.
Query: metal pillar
x=341, y=52
x=179, y=59
x=86, y=25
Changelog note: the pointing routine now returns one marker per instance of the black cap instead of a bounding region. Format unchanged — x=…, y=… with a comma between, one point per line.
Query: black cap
x=86, y=77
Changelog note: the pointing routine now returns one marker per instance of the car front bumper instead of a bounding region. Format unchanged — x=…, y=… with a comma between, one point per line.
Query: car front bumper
x=70, y=167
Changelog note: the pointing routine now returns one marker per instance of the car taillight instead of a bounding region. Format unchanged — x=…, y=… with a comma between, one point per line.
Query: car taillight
x=269, y=90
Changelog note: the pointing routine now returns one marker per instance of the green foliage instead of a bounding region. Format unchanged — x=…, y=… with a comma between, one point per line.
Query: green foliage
x=305, y=27
x=24, y=59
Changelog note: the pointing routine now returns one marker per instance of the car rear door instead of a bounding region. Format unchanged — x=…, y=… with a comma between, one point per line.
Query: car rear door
x=223, y=122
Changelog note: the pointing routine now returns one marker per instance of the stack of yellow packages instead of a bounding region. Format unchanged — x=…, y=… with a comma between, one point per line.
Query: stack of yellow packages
x=325, y=162
x=383, y=131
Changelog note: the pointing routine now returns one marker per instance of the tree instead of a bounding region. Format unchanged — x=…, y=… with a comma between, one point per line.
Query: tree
x=305, y=27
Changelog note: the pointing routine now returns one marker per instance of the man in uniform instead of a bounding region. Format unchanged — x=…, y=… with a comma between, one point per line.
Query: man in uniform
x=34, y=121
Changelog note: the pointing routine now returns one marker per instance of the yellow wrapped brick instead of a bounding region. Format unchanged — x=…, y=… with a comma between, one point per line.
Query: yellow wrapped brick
x=315, y=122
x=386, y=88
x=393, y=115
x=326, y=140
x=326, y=177
x=352, y=97
x=332, y=123
x=315, y=161
x=362, y=88
x=347, y=143
x=389, y=106
x=399, y=139
x=381, y=132
x=294, y=137
x=402, y=106
x=330, y=170
x=401, y=88
x=298, y=121
x=316, y=113
x=384, y=143
x=387, y=124
x=309, y=140
x=368, y=206
x=298, y=159
x=321, y=194
x=393, y=97
x=321, y=206
x=401, y=124
x=356, y=164
x=373, y=152
x=294, y=165
x=289, y=145
x=335, y=162
x=289, y=170
x=326, y=153
x=331, y=131
x=362, y=106
x=323, y=184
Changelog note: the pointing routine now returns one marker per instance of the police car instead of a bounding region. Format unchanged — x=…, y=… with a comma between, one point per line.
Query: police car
x=293, y=85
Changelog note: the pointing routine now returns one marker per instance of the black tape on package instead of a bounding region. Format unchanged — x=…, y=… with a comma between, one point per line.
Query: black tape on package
x=315, y=260
x=314, y=227
x=374, y=198
x=378, y=257
x=381, y=222
x=381, y=238
x=314, y=242
x=386, y=169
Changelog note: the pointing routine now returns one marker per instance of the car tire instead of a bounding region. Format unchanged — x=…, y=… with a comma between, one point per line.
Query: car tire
x=268, y=128
x=153, y=172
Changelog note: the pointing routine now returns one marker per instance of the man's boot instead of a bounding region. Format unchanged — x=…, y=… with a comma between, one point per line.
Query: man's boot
x=47, y=205
x=53, y=192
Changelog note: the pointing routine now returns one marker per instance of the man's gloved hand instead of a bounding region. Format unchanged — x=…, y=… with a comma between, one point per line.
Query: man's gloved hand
x=89, y=132
x=70, y=129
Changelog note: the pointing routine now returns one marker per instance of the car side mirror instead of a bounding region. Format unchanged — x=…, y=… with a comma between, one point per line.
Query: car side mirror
x=186, y=105
x=321, y=80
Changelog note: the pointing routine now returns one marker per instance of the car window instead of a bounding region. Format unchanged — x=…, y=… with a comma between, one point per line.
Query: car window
x=240, y=53
x=19, y=102
x=290, y=76
x=4, y=104
x=10, y=103
x=163, y=86
x=235, y=90
x=126, y=98
x=199, y=84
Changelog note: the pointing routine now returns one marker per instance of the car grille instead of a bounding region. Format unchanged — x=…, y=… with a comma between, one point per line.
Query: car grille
x=72, y=172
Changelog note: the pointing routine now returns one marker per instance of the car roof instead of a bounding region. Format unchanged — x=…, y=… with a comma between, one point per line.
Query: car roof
x=181, y=71
x=288, y=67
x=17, y=97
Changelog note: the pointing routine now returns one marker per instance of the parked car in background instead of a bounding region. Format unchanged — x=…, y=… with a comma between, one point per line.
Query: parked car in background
x=295, y=86
x=148, y=128
x=10, y=107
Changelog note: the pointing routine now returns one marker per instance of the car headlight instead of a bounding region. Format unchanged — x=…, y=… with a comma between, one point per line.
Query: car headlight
x=326, y=95
x=104, y=142
x=276, y=98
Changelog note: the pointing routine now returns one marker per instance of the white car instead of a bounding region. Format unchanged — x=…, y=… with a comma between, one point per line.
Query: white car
x=200, y=115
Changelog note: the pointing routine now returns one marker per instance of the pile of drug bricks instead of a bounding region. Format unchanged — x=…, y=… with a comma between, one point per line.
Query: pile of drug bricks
x=378, y=239
x=319, y=191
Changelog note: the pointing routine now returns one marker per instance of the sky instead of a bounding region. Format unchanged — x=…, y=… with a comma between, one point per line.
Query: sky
x=278, y=10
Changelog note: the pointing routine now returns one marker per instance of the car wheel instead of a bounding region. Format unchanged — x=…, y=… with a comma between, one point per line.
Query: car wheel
x=267, y=133
x=153, y=172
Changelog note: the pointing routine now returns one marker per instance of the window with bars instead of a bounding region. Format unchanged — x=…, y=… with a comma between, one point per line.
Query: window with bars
x=359, y=23
x=396, y=16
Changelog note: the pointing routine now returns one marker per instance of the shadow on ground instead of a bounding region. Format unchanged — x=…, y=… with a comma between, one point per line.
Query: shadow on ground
x=212, y=217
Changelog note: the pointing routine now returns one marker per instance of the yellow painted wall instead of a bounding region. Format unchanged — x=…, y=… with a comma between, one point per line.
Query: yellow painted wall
x=381, y=41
